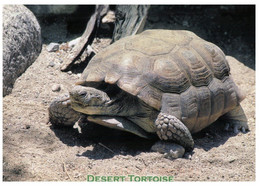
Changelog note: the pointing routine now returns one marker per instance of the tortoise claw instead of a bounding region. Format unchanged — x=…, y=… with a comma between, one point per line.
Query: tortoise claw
x=226, y=128
x=236, y=127
x=243, y=130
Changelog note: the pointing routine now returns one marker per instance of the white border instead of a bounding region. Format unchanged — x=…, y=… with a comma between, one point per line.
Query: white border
x=140, y=2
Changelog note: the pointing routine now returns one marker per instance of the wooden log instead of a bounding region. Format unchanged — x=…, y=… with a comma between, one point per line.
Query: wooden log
x=87, y=37
x=130, y=20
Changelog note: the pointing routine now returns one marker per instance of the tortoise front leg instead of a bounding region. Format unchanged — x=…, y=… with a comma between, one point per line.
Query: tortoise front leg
x=61, y=113
x=170, y=128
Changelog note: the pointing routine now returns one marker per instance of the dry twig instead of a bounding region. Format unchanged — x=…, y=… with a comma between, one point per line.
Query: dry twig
x=106, y=147
x=64, y=168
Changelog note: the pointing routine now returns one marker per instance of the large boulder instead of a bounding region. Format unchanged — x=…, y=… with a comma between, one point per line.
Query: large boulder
x=21, y=43
x=41, y=10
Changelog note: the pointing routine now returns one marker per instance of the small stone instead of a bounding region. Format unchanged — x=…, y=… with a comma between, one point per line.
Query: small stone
x=170, y=150
x=53, y=47
x=51, y=64
x=161, y=122
x=159, y=126
x=231, y=161
x=69, y=72
x=56, y=88
x=27, y=126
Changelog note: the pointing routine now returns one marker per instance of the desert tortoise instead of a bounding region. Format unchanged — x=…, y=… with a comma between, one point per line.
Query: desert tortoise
x=168, y=82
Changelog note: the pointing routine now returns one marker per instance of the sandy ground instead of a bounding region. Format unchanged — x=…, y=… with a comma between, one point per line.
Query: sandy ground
x=35, y=150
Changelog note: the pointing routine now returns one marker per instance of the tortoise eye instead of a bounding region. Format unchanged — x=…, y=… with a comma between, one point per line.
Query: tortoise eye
x=82, y=94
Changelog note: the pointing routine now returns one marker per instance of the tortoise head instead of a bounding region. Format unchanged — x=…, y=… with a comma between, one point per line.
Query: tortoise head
x=88, y=100
x=94, y=101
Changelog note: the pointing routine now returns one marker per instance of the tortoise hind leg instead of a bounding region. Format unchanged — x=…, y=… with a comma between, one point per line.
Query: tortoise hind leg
x=236, y=120
x=170, y=128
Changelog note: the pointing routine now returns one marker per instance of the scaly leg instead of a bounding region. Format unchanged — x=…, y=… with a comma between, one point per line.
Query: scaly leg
x=171, y=128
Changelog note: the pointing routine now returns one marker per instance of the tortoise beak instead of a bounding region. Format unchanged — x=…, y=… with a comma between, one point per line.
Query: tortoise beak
x=80, y=82
x=67, y=102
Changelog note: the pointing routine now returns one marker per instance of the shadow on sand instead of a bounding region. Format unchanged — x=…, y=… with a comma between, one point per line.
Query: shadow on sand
x=108, y=143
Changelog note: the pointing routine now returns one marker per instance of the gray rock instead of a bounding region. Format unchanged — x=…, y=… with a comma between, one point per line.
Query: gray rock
x=53, y=47
x=56, y=88
x=169, y=149
x=53, y=9
x=51, y=64
x=21, y=43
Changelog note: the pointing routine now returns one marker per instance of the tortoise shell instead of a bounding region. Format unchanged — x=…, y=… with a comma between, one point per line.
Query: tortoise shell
x=156, y=62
